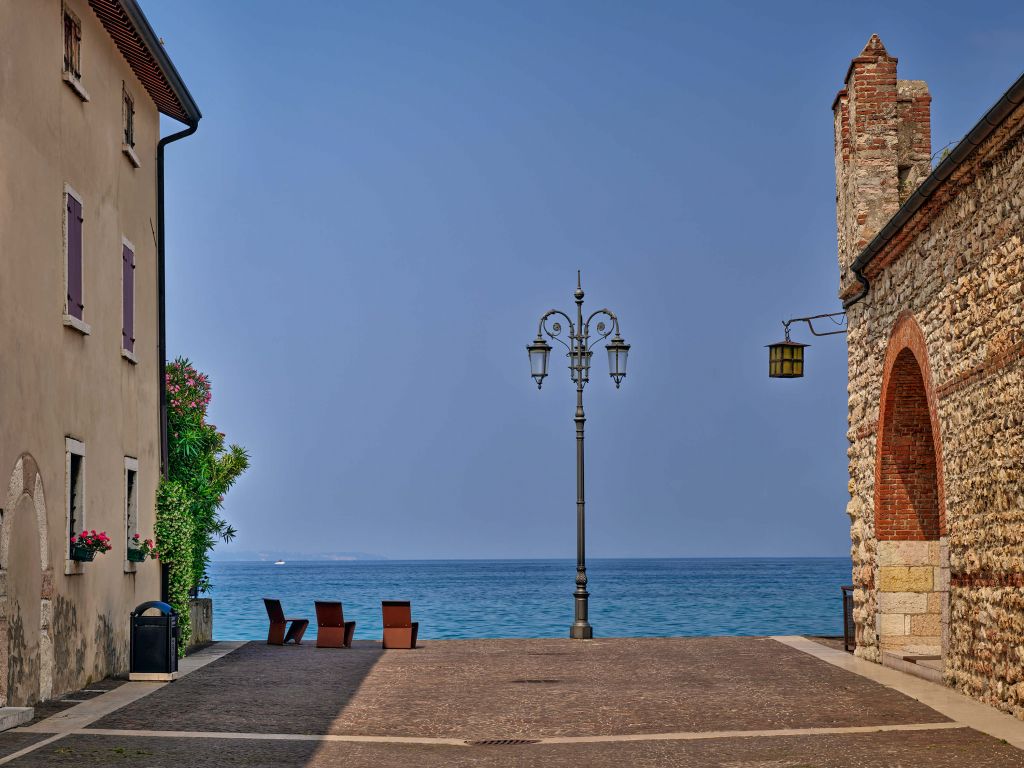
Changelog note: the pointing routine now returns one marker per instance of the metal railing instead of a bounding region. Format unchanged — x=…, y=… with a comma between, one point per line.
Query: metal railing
x=849, y=627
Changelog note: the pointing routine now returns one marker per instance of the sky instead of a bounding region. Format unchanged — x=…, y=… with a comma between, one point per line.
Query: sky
x=383, y=198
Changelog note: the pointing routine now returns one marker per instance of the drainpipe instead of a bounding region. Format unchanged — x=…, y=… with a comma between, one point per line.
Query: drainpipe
x=161, y=283
x=162, y=310
x=865, y=287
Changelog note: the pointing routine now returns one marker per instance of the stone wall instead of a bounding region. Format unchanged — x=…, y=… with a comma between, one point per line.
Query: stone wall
x=950, y=288
x=201, y=611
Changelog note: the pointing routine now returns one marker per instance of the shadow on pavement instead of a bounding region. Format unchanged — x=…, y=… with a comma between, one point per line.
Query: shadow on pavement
x=258, y=688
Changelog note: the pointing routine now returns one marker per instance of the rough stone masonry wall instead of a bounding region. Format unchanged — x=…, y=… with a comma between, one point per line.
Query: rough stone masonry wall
x=961, y=278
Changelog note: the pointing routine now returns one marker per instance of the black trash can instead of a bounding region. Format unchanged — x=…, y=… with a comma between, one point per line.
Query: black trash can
x=154, y=640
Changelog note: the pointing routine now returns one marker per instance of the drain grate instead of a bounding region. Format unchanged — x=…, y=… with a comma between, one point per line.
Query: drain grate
x=548, y=653
x=501, y=742
x=536, y=681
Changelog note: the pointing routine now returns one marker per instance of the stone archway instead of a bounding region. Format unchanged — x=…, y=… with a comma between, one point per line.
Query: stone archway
x=26, y=644
x=910, y=520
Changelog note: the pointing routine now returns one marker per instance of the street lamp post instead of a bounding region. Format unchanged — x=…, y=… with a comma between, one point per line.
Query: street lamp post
x=579, y=348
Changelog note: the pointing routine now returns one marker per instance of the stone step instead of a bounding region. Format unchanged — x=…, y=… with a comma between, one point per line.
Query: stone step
x=12, y=717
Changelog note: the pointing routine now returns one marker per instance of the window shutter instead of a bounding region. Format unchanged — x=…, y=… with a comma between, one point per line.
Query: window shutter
x=75, y=305
x=127, y=299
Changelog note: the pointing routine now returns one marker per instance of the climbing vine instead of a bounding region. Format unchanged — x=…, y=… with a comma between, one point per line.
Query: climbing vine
x=202, y=467
x=174, y=535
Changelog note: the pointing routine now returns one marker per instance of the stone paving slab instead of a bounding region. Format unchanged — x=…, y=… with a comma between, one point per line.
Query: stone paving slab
x=925, y=749
x=501, y=689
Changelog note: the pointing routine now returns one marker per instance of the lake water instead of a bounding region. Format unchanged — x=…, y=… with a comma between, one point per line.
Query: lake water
x=533, y=598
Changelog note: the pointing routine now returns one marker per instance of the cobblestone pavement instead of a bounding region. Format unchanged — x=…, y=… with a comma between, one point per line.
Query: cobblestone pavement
x=933, y=749
x=502, y=689
x=470, y=690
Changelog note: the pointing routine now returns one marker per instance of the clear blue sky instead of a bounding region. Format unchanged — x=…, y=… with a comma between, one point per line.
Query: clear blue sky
x=383, y=197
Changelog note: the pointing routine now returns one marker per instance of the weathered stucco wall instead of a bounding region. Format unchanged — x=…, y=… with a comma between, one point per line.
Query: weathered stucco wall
x=952, y=288
x=55, y=381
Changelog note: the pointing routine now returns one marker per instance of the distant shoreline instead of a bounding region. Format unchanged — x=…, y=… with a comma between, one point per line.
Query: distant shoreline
x=380, y=559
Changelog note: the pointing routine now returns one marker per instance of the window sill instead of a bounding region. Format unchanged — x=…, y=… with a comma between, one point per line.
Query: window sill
x=129, y=566
x=73, y=567
x=76, y=85
x=79, y=325
x=129, y=356
x=129, y=152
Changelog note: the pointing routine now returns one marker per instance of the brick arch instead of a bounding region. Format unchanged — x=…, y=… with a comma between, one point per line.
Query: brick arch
x=910, y=500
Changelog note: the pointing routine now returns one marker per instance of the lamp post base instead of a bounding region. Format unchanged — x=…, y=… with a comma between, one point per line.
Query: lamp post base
x=581, y=632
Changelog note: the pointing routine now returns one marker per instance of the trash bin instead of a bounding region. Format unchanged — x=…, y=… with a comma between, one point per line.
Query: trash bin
x=154, y=642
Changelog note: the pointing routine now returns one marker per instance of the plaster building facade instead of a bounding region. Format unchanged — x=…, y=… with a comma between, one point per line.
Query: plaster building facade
x=932, y=276
x=83, y=84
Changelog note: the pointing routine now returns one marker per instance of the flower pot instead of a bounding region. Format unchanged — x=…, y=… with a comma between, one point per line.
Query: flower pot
x=136, y=556
x=82, y=554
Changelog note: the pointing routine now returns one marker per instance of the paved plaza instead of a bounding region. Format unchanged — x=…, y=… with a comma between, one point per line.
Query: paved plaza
x=728, y=702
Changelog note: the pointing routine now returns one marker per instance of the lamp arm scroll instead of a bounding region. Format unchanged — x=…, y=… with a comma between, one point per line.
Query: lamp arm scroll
x=555, y=332
x=603, y=332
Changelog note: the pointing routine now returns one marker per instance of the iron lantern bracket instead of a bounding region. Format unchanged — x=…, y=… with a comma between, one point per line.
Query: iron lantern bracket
x=837, y=318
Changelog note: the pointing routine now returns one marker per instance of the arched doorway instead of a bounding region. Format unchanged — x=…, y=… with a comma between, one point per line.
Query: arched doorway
x=26, y=671
x=910, y=522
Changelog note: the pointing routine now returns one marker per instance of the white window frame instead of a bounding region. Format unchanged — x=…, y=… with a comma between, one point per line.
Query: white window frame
x=131, y=508
x=70, y=320
x=76, y=447
x=128, y=355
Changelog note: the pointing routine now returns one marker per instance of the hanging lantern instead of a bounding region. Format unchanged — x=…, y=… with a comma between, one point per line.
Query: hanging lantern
x=579, y=362
x=539, y=352
x=617, y=352
x=786, y=359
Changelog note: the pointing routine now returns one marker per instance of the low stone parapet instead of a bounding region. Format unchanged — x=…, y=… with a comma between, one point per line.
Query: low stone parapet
x=201, y=614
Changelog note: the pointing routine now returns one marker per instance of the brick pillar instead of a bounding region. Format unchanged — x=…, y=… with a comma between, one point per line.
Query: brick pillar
x=882, y=146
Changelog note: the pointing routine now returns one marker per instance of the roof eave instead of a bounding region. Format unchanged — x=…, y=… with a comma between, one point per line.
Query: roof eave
x=156, y=50
x=991, y=120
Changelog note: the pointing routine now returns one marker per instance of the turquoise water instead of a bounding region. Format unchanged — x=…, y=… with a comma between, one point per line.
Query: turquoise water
x=533, y=598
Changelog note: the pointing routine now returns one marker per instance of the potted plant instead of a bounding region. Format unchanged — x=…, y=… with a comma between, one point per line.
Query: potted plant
x=139, y=549
x=87, y=544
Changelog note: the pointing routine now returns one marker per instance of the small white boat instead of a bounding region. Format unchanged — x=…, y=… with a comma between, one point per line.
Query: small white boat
x=279, y=562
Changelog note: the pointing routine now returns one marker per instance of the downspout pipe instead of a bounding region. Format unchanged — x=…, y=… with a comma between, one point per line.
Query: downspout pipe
x=865, y=286
x=161, y=250
x=161, y=261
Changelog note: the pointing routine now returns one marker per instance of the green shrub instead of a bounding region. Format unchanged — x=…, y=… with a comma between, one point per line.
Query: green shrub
x=201, y=470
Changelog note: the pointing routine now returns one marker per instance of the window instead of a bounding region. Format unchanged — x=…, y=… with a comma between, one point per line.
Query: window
x=73, y=54
x=128, y=126
x=128, y=110
x=127, y=299
x=131, y=503
x=74, y=307
x=72, y=45
x=75, y=464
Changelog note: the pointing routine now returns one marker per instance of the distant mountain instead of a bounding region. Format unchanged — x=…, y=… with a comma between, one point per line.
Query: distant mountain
x=232, y=555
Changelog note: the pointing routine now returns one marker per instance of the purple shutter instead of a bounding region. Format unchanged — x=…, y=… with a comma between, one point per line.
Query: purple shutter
x=127, y=299
x=75, y=305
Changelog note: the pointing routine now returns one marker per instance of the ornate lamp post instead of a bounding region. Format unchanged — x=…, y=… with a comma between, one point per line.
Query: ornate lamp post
x=579, y=345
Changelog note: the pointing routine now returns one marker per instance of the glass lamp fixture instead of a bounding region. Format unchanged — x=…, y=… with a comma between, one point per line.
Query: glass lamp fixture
x=618, y=350
x=786, y=359
x=584, y=364
x=539, y=352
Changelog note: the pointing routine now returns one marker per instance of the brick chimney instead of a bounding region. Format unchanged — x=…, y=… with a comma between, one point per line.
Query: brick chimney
x=882, y=146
